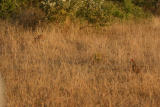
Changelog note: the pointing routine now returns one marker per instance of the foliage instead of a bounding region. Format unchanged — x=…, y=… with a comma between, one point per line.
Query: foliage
x=7, y=8
x=150, y=5
x=99, y=12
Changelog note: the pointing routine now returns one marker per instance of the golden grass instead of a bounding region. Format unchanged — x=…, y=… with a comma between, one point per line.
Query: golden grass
x=71, y=67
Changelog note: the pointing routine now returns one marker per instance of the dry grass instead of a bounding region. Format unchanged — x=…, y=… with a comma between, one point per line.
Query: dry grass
x=71, y=67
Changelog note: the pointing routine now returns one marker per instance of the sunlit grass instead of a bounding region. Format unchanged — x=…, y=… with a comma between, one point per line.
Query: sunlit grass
x=88, y=67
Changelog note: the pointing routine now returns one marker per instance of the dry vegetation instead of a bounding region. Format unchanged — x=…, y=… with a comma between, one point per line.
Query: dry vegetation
x=58, y=66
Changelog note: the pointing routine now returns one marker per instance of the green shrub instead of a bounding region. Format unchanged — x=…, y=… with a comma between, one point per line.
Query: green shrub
x=150, y=5
x=94, y=11
x=7, y=8
x=133, y=10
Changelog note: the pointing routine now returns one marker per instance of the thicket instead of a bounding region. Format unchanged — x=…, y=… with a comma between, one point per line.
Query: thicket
x=99, y=12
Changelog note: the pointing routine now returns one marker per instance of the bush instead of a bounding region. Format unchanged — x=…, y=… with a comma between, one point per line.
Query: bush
x=94, y=11
x=7, y=8
x=151, y=5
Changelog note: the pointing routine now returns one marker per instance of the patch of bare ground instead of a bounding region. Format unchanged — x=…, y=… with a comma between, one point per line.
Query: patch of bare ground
x=88, y=67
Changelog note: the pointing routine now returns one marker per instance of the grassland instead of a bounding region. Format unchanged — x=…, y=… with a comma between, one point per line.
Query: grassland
x=72, y=67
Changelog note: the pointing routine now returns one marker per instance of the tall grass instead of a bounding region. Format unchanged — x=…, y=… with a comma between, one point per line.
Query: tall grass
x=2, y=97
x=71, y=67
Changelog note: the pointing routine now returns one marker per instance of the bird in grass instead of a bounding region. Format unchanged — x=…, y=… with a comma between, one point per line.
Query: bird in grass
x=134, y=67
x=38, y=37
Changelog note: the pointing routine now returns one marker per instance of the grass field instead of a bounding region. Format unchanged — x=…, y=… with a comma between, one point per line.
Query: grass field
x=65, y=66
